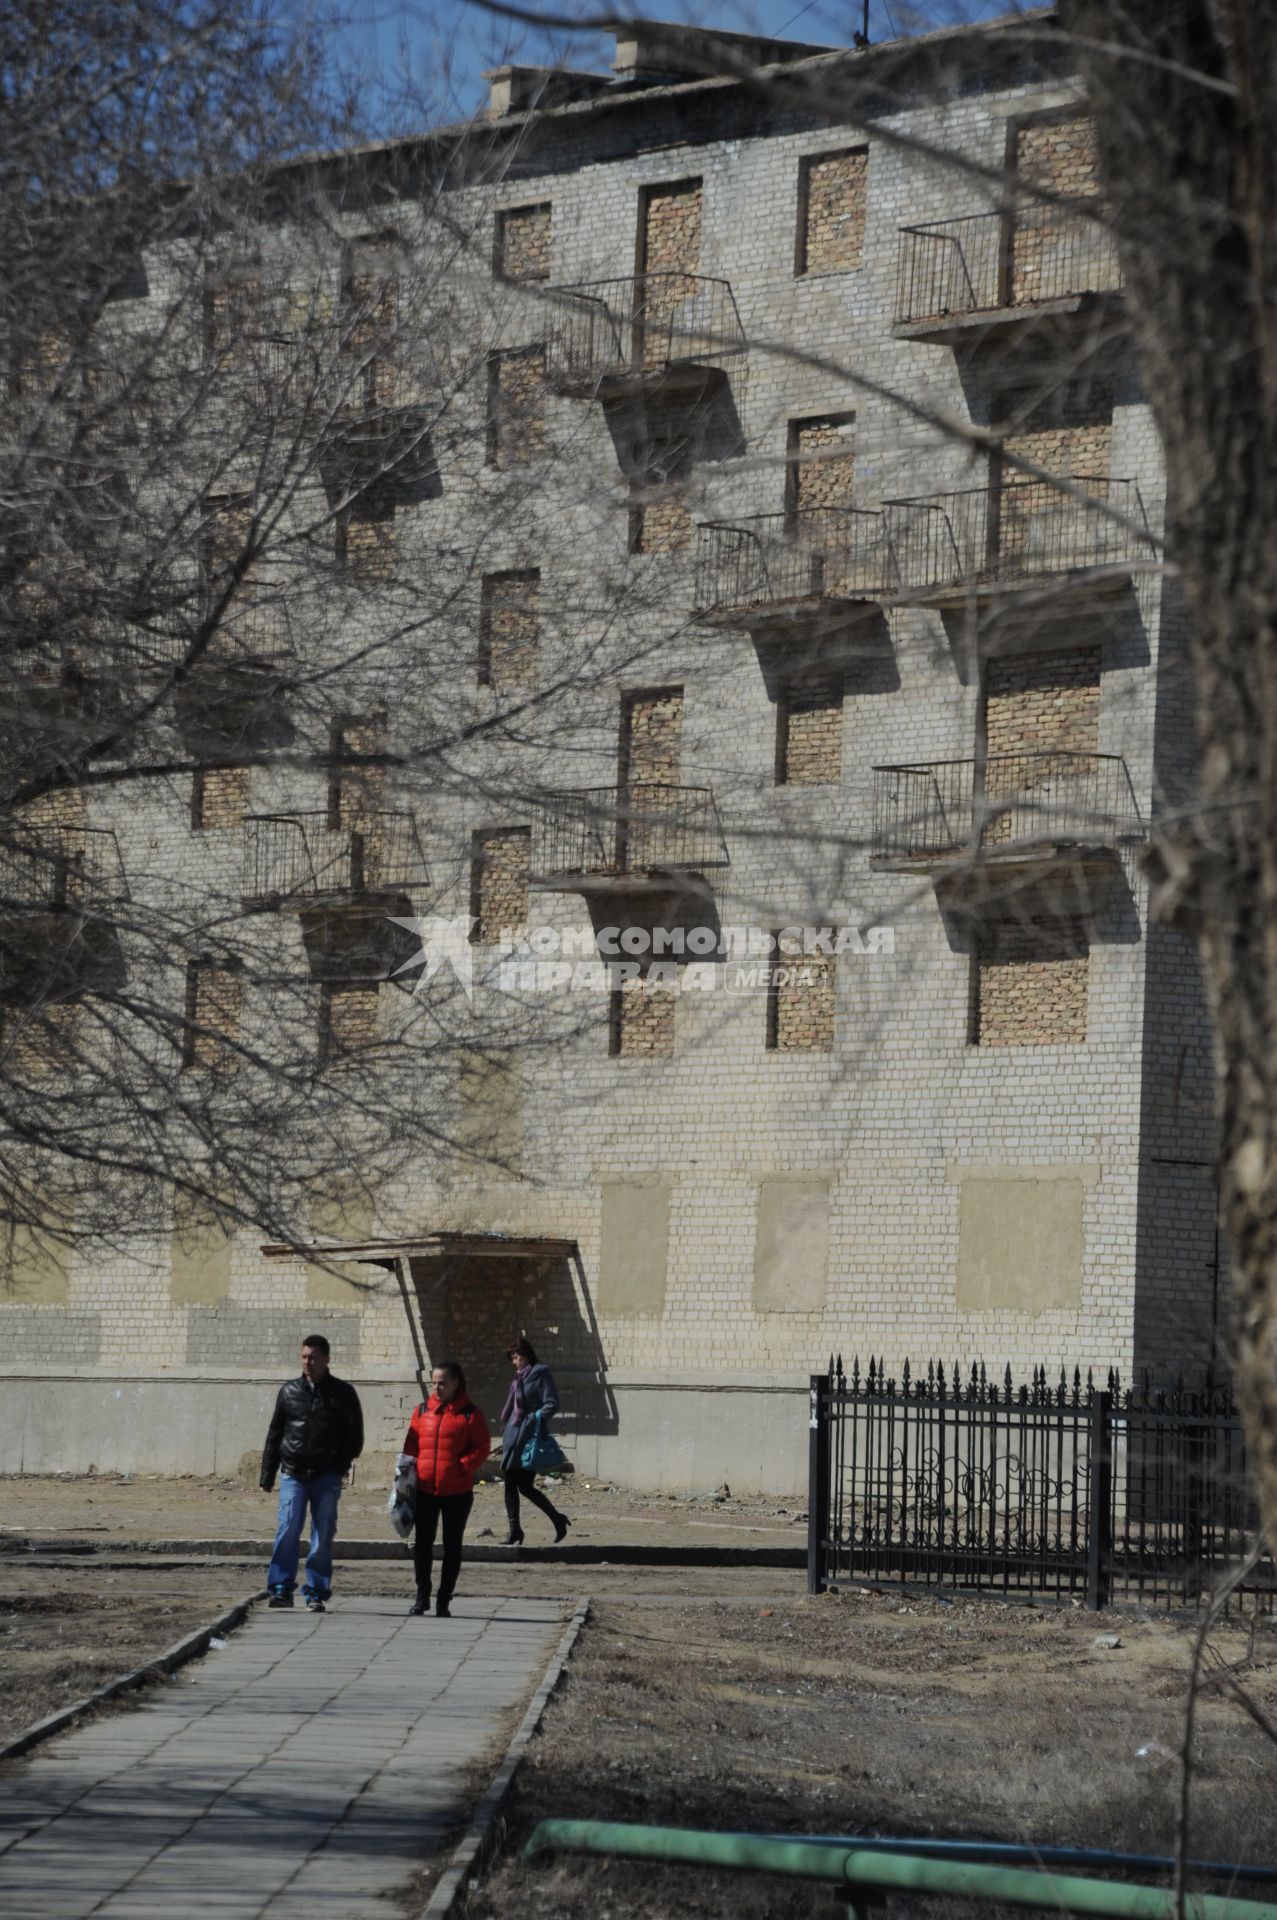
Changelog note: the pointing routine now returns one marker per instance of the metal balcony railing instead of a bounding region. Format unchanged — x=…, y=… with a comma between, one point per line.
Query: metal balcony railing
x=990, y=262
x=1005, y=806
x=771, y=562
x=53, y=869
x=301, y=857
x=607, y=833
x=1018, y=531
x=643, y=325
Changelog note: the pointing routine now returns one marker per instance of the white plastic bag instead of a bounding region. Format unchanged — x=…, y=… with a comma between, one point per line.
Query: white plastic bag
x=402, y=1504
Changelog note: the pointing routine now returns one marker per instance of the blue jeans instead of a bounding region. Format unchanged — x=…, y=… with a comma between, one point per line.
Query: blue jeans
x=321, y=1495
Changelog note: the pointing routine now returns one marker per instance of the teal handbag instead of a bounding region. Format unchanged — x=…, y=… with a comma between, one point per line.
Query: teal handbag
x=541, y=1451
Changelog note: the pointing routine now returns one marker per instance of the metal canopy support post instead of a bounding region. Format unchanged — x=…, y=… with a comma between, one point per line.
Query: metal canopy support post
x=409, y=1307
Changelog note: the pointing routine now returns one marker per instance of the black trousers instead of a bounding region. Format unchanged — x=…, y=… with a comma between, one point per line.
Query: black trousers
x=454, y=1509
x=519, y=1481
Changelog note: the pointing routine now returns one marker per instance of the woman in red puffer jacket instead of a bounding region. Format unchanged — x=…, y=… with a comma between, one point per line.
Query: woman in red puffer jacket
x=449, y=1440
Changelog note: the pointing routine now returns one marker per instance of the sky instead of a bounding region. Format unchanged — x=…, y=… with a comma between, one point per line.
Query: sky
x=420, y=62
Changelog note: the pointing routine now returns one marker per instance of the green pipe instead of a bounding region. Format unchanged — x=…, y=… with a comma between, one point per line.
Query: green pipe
x=883, y=1872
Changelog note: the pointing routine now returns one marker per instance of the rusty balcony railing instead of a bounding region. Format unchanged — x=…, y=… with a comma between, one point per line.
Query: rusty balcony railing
x=773, y=563
x=1016, y=532
x=301, y=858
x=55, y=869
x=992, y=262
x=608, y=833
x=638, y=328
x=1006, y=806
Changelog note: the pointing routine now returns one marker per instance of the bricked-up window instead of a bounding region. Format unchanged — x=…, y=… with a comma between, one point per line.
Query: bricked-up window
x=370, y=319
x=347, y=1019
x=1068, y=429
x=1037, y=707
x=516, y=406
x=1029, y=982
x=800, y=1003
x=214, y=995
x=832, y=194
x=356, y=793
x=1058, y=154
x=219, y=798
x=821, y=462
x=223, y=538
x=233, y=309
x=651, y=737
x=509, y=624
x=365, y=541
x=522, y=249
x=500, y=861
x=669, y=250
x=809, y=733
x=43, y=1039
x=641, y=1021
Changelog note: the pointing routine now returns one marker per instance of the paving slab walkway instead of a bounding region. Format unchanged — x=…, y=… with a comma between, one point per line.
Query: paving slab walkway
x=302, y=1771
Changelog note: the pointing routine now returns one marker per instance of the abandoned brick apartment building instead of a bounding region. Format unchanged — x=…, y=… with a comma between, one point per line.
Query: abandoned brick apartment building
x=850, y=670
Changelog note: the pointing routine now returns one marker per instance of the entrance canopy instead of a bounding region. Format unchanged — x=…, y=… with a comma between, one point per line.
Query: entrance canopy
x=395, y=1254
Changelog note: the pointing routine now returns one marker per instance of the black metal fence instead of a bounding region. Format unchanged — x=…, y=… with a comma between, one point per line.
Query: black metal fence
x=1072, y=1490
x=1004, y=803
x=1018, y=530
x=609, y=832
x=640, y=324
x=770, y=562
x=987, y=261
x=303, y=856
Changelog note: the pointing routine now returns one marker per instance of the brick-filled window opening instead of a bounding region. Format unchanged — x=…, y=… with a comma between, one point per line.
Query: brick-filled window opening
x=500, y=862
x=1037, y=707
x=365, y=541
x=219, y=798
x=641, y=1021
x=833, y=191
x=651, y=737
x=669, y=251
x=1066, y=429
x=809, y=733
x=800, y=1002
x=347, y=1019
x=820, y=466
x=224, y=540
x=509, y=629
x=214, y=998
x=41, y=1040
x=1056, y=154
x=370, y=321
x=661, y=468
x=1029, y=982
x=234, y=297
x=356, y=794
x=516, y=406
x=522, y=245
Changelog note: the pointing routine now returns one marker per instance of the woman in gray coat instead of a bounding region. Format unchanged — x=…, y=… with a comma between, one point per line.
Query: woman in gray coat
x=532, y=1391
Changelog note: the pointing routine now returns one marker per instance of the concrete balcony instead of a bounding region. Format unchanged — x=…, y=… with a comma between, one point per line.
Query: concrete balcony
x=779, y=570
x=1018, y=814
x=59, y=888
x=348, y=885
x=662, y=332
x=985, y=542
x=994, y=270
x=627, y=840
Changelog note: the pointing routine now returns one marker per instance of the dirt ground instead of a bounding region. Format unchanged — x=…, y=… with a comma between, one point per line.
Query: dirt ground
x=140, y=1507
x=720, y=1697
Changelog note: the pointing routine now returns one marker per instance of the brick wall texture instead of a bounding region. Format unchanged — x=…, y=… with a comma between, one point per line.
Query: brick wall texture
x=220, y=797
x=643, y=1021
x=1031, y=983
x=802, y=1002
x=516, y=406
x=809, y=736
x=652, y=737
x=1043, y=702
x=523, y=242
x=670, y=246
x=822, y=455
x=834, y=193
x=1059, y=156
x=348, y=1018
x=501, y=861
x=366, y=542
x=214, y=997
x=509, y=623
x=43, y=1039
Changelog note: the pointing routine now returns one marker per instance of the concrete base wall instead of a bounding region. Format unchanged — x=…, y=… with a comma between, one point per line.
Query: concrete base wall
x=669, y=1436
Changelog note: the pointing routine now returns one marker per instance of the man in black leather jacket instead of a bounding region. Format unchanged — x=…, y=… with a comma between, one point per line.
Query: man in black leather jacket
x=315, y=1436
